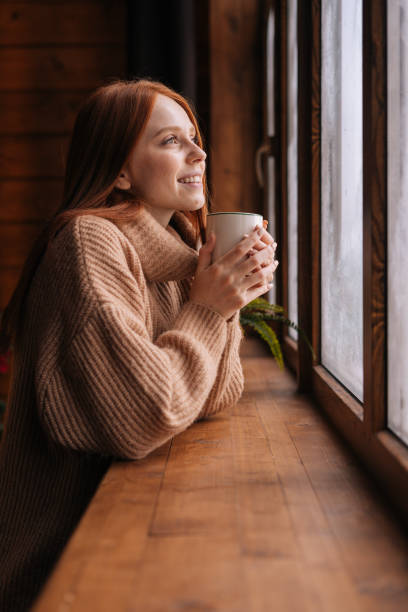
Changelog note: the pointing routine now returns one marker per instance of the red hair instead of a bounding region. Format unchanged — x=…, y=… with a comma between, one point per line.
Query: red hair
x=108, y=125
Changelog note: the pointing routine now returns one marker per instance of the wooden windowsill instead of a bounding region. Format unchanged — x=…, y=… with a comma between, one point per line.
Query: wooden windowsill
x=261, y=507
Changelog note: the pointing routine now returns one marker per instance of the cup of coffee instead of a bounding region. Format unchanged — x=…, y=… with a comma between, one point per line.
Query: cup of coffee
x=229, y=228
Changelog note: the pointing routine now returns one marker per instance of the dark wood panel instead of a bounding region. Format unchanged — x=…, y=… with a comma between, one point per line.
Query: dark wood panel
x=4, y=385
x=283, y=249
x=29, y=156
x=44, y=112
x=16, y=240
x=8, y=281
x=290, y=353
x=316, y=178
x=305, y=244
x=60, y=68
x=29, y=200
x=236, y=105
x=374, y=212
x=44, y=23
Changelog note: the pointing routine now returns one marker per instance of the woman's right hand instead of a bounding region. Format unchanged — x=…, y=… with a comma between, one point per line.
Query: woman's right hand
x=236, y=278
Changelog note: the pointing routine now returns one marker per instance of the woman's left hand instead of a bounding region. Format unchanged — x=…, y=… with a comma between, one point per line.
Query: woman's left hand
x=268, y=240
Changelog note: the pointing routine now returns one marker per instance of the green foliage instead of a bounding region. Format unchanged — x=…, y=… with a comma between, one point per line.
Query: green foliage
x=267, y=334
x=256, y=313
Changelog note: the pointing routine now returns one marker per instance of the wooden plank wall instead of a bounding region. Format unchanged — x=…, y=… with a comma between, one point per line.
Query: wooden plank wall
x=51, y=55
x=236, y=103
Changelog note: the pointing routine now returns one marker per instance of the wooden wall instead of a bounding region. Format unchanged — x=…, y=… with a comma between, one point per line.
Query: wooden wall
x=236, y=103
x=51, y=55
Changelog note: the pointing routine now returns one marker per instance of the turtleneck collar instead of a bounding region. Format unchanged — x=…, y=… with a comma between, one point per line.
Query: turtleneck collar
x=165, y=253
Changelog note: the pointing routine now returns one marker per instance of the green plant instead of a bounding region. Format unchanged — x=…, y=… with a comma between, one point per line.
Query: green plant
x=256, y=314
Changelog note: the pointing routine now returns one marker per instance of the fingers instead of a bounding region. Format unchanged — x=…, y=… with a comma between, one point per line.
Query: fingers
x=256, y=260
x=204, y=255
x=237, y=253
x=266, y=237
x=262, y=277
x=255, y=292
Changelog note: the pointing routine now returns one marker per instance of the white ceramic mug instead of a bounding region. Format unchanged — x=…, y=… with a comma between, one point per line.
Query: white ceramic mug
x=229, y=227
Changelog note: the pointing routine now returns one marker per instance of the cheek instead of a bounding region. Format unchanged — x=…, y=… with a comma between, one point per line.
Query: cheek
x=155, y=174
x=163, y=169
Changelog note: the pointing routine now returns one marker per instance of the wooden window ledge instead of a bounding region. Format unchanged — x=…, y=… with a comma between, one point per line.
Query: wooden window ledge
x=259, y=508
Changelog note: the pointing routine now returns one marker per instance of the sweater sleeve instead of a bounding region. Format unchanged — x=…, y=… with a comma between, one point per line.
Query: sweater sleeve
x=116, y=392
x=229, y=383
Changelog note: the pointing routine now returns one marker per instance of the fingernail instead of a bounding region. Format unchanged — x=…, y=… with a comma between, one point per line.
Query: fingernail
x=245, y=235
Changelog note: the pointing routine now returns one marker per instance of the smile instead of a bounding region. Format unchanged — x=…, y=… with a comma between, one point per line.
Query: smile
x=191, y=179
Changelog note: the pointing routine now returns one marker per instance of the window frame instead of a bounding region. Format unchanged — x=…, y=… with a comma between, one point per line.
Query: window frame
x=363, y=426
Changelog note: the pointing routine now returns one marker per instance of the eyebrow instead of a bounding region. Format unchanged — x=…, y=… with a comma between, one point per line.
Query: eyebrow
x=173, y=128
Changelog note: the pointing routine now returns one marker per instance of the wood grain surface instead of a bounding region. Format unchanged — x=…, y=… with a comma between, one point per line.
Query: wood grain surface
x=52, y=54
x=45, y=23
x=236, y=104
x=259, y=508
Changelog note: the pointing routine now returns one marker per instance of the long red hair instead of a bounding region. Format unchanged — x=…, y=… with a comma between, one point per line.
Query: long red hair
x=107, y=127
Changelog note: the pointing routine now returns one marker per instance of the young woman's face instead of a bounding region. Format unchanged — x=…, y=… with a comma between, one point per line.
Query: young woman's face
x=166, y=166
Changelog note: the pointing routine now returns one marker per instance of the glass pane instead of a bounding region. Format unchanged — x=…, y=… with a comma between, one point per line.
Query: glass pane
x=270, y=73
x=342, y=211
x=270, y=168
x=270, y=124
x=292, y=52
x=397, y=324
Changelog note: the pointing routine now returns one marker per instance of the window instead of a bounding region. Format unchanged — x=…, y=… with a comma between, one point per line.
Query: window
x=352, y=222
x=397, y=205
x=292, y=160
x=270, y=130
x=342, y=193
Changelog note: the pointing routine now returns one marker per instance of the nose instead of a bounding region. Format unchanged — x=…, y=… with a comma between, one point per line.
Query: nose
x=196, y=154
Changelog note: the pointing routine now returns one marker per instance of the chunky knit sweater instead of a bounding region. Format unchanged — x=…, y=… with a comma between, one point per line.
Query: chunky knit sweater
x=112, y=361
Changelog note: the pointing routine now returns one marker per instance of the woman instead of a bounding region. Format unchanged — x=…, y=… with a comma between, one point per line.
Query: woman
x=123, y=334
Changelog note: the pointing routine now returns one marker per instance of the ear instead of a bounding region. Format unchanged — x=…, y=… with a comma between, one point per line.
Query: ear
x=123, y=182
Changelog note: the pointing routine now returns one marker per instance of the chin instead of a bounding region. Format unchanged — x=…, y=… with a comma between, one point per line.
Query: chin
x=196, y=205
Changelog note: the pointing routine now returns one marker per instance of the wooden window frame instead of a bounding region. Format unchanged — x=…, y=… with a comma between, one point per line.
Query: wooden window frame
x=365, y=427
x=276, y=147
x=289, y=345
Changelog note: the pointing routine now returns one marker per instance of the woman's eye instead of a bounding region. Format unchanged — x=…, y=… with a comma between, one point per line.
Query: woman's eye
x=170, y=140
x=195, y=140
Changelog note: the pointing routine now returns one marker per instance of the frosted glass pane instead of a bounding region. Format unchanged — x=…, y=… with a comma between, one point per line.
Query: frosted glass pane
x=292, y=52
x=270, y=73
x=342, y=210
x=270, y=108
x=397, y=264
x=270, y=168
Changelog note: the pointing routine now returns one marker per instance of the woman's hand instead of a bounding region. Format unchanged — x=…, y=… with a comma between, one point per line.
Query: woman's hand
x=236, y=278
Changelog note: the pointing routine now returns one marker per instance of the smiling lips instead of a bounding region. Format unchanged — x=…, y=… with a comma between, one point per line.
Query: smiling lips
x=191, y=179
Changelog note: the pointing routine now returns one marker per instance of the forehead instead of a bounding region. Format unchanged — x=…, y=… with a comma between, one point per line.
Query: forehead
x=166, y=112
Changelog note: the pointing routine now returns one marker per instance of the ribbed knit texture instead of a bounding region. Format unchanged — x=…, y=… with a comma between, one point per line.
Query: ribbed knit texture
x=112, y=361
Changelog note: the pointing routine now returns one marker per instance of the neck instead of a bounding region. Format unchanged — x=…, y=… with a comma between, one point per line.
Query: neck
x=162, y=215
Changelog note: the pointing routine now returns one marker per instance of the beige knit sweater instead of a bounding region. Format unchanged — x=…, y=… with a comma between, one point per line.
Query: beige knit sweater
x=113, y=361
